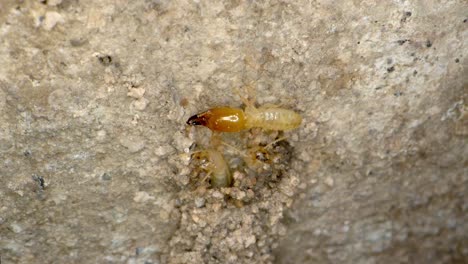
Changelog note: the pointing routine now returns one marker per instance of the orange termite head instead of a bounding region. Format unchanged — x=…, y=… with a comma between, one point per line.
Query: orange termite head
x=223, y=119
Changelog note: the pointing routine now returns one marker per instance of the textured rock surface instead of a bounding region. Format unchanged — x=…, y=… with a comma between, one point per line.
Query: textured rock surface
x=93, y=147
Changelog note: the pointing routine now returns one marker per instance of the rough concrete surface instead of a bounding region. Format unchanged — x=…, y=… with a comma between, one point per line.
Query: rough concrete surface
x=95, y=152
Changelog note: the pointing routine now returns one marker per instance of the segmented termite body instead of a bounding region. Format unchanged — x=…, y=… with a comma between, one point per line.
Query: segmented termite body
x=272, y=118
x=226, y=119
x=216, y=167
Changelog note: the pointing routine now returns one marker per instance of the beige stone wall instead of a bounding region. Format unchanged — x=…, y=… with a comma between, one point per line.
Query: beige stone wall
x=95, y=153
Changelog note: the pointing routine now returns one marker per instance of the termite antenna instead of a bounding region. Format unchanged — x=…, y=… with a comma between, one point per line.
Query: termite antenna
x=275, y=141
x=240, y=152
x=250, y=98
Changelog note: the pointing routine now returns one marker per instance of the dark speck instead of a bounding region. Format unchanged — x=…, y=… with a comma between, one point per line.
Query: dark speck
x=27, y=153
x=457, y=60
x=39, y=180
x=464, y=20
x=105, y=60
x=177, y=203
x=359, y=42
x=415, y=72
x=106, y=176
x=402, y=41
x=428, y=43
x=391, y=69
x=405, y=16
x=139, y=250
x=77, y=42
x=397, y=94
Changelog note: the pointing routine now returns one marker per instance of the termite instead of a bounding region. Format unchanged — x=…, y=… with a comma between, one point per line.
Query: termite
x=227, y=119
x=216, y=167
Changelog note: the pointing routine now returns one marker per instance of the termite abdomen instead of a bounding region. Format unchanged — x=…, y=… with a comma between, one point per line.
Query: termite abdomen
x=273, y=118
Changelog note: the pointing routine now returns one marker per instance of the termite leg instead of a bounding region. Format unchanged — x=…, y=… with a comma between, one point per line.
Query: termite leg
x=250, y=97
x=251, y=92
x=249, y=161
x=215, y=140
x=244, y=99
x=208, y=175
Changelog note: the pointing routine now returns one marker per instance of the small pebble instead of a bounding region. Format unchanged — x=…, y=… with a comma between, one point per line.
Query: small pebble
x=54, y=2
x=199, y=202
x=51, y=20
x=101, y=135
x=218, y=195
x=141, y=197
x=136, y=93
x=16, y=228
x=140, y=104
x=329, y=181
x=164, y=151
x=249, y=241
x=106, y=176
